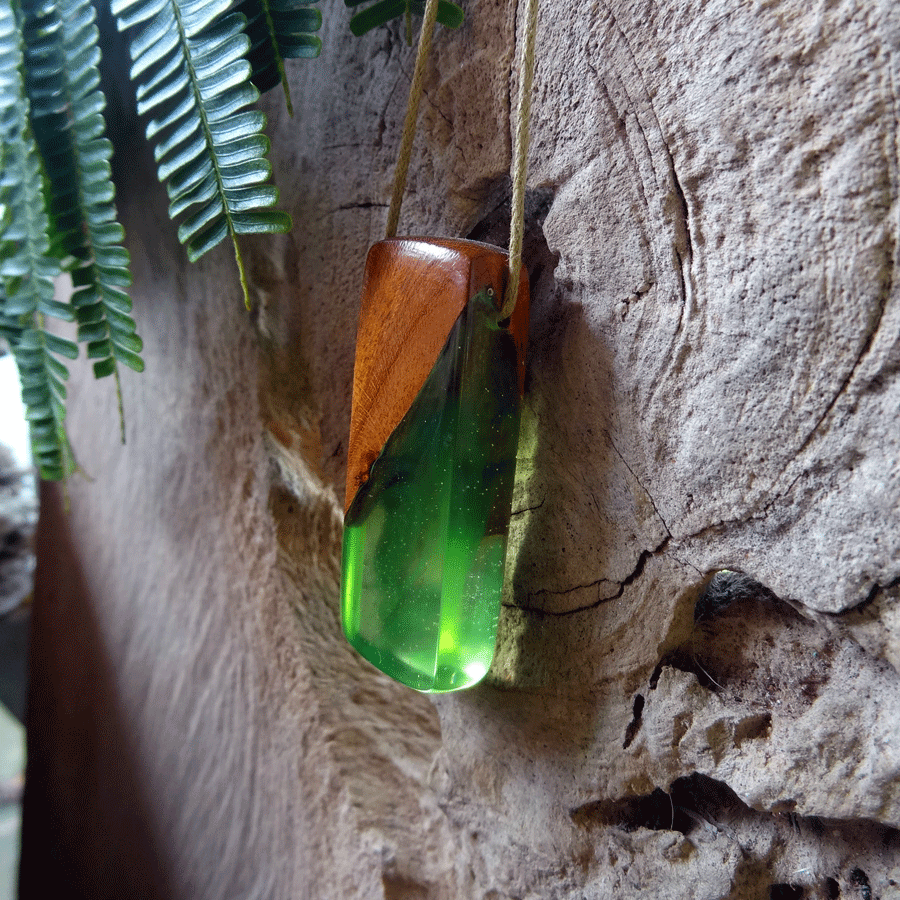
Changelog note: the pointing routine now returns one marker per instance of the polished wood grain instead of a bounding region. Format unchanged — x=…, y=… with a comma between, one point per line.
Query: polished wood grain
x=414, y=290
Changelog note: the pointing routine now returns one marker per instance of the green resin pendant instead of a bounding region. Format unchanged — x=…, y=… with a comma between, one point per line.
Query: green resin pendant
x=425, y=533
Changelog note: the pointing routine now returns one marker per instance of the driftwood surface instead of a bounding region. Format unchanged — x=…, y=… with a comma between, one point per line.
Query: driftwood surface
x=714, y=384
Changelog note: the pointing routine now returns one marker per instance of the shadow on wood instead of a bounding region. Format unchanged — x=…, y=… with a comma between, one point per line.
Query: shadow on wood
x=85, y=825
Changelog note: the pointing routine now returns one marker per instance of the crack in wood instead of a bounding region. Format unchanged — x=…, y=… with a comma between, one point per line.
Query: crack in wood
x=876, y=590
x=526, y=509
x=641, y=485
x=867, y=344
x=364, y=204
x=635, y=574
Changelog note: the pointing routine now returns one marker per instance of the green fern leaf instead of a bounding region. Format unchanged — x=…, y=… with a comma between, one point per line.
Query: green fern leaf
x=384, y=11
x=66, y=109
x=27, y=267
x=189, y=61
x=279, y=30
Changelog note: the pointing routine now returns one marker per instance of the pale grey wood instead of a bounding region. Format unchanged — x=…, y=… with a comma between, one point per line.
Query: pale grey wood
x=713, y=385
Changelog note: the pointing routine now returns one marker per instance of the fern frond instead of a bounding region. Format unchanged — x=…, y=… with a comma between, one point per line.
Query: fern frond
x=67, y=112
x=279, y=30
x=43, y=57
x=188, y=59
x=384, y=11
x=27, y=267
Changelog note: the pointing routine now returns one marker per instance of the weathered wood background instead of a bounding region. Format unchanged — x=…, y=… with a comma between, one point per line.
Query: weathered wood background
x=714, y=384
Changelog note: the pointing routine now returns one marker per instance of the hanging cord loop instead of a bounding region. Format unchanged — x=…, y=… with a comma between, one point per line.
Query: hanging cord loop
x=519, y=171
x=412, y=115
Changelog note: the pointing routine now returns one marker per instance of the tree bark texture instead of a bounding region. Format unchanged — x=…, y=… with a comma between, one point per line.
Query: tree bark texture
x=713, y=384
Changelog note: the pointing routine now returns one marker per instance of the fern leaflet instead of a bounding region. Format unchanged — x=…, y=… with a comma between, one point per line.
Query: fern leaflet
x=279, y=30
x=384, y=11
x=188, y=59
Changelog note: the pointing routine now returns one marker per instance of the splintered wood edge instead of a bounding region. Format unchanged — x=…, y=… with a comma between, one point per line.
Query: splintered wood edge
x=413, y=293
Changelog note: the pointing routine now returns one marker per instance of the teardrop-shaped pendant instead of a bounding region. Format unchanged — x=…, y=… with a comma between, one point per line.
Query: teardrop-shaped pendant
x=431, y=463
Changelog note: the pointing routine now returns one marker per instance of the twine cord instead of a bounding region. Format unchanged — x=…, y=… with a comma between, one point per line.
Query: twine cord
x=519, y=173
x=519, y=169
x=412, y=115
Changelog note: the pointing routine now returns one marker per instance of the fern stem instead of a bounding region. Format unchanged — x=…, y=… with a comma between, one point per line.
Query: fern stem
x=120, y=404
x=243, y=274
x=279, y=60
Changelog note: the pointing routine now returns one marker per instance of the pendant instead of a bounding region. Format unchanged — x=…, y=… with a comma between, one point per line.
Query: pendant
x=431, y=461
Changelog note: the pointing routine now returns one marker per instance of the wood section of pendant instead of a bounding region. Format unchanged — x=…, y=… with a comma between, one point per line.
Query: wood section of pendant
x=414, y=291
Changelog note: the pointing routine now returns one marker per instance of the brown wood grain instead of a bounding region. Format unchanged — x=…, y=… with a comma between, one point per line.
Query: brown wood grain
x=414, y=290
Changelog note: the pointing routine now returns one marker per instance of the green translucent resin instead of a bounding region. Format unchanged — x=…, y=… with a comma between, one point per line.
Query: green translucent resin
x=425, y=536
